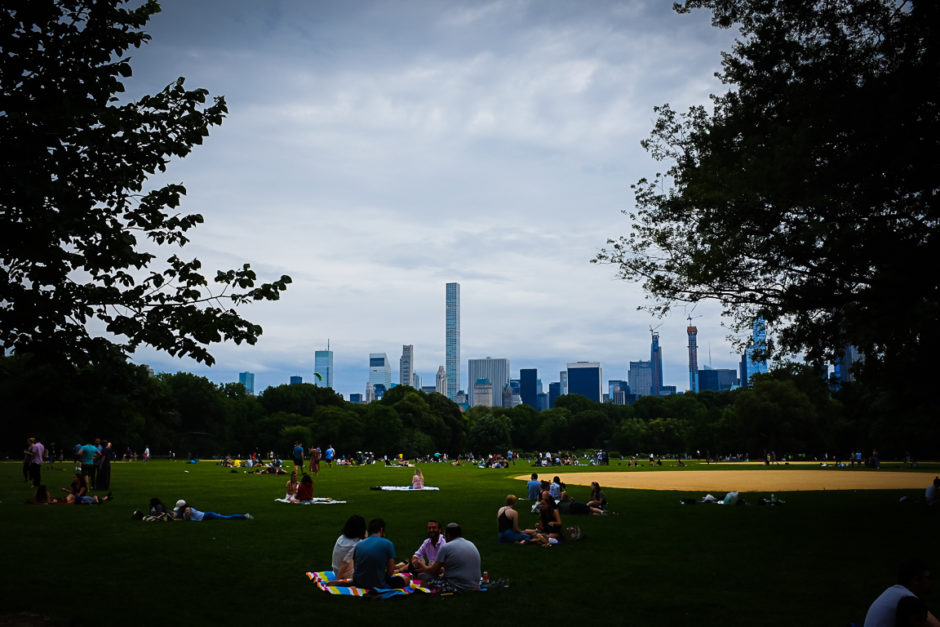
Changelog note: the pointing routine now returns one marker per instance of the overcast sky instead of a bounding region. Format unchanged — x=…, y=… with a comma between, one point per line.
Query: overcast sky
x=375, y=151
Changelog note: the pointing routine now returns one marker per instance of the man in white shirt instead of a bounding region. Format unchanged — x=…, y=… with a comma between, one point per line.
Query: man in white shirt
x=913, y=581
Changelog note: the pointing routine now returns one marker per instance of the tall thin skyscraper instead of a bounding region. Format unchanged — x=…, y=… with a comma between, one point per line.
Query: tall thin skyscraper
x=440, y=381
x=406, y=365
x=562, y=382
x=693, y=357
x=323, y=365
x=452, y=338
x=656, y=360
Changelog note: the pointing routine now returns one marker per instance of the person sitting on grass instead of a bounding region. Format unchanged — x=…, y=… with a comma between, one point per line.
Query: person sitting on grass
x=933, y=493
x=305, y=490
x=427, y=552
x=555, y=488
x=417, y=481
x=374, y=560
x=185, y=511
x=550, y=518
x=913, y=581
x=534, y=487
x=78, y=492
x=507, y=521
x=598, y=498
x=292, y=487
x=353, y=532
x=457, y=567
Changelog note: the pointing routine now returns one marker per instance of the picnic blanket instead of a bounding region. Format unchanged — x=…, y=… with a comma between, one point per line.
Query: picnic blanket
x=324, y=580
x=403, y=488
x=317, y=500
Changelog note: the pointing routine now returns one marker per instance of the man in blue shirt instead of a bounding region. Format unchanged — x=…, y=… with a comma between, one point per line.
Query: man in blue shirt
x=88, y=453
x=374, y=560
x=534, y=487
x=298, y=456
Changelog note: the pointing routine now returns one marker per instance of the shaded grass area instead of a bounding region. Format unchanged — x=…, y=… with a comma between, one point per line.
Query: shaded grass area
x=819, y=560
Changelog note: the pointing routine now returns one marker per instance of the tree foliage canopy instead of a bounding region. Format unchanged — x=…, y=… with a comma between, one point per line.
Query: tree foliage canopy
x=77, y=277
x=809, y=194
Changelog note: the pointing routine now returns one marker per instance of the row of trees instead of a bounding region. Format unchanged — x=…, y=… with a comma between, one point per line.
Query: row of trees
x=790, y=411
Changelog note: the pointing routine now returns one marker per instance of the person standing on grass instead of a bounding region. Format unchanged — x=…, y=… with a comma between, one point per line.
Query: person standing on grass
x=104, y=466
x=374, y=560
x=913, y=581
x=315, y=460
x=36, y=451
x=88, y=453
x=298, y=454
x=330, y=452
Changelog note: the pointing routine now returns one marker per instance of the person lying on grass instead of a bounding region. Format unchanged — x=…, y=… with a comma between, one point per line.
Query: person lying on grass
x=185, y=511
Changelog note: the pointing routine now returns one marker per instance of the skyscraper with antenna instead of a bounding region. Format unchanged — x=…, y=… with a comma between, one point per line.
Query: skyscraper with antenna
x=656, y=362
x=693, y=356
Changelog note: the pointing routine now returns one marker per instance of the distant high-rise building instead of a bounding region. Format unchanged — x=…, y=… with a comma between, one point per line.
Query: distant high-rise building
x=585, y=378
x=541, y=401
x=416, y=381
x=554, y=391
x=482, y=393
x=406, y=365
x=640, y=377
x=323, y=365
x=527, y=386
x=379, y=390
x=248, y=380
x=562, y=382
x=440, y=382
x=717, y=379
x=370, y=392
x=756, y=352
x=617, y=391
x=355, y=398
x=656, y=361
x=842, y=369
x=294, y=380
x=496, y=371
x=693, y=357
x=452, y=338
x=429, y=389
x=380, y=373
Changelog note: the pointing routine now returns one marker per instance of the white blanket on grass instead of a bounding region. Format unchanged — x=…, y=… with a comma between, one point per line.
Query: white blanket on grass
x=317, y=500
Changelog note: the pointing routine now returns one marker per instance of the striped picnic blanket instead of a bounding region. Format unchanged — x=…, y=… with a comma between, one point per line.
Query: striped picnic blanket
x=324, y=580
x=403, y=488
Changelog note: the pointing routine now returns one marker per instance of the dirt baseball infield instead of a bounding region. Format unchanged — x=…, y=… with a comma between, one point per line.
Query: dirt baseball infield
x=748, y=480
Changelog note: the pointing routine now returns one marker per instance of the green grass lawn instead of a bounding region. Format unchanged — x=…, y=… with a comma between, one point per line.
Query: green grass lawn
x=818, y=560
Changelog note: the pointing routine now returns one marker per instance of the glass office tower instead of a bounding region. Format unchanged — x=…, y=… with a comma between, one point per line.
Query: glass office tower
x=452, y=339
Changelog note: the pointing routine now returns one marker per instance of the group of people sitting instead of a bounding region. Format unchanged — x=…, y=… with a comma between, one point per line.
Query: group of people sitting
x=551, y=501
x=75, y=494
x=299, y=491
x=447, y=563
x=183, y=511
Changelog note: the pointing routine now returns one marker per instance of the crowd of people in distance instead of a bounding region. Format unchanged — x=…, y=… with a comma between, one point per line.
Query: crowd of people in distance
x=364, y=557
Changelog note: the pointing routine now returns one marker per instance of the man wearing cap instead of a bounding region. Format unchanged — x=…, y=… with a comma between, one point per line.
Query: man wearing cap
x=457, y=563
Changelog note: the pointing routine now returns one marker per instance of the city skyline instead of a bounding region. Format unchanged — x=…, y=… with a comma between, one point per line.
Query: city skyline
x=495, y=144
